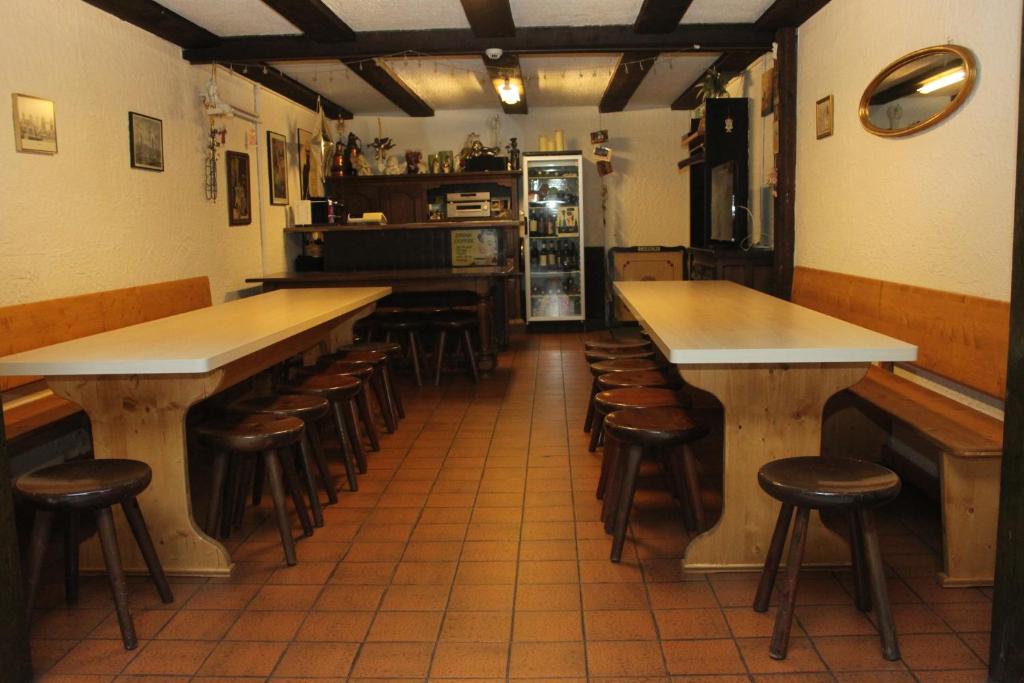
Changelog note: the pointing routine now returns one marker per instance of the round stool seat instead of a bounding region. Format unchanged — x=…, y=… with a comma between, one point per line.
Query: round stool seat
x=342, y=367
x=387, y=348
x=84, y=484
x=633, y=378
x=369, y=356
x=399, y=322
x=596, y=356
x=616, y=345
x=817, y=482
x=303, y=406
x=618, y=365
x=653, y=426
x=333, y=387
x=635, y=397
x=251, y=433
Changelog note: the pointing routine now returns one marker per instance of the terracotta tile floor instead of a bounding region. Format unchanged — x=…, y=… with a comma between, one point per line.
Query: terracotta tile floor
x=473, y=552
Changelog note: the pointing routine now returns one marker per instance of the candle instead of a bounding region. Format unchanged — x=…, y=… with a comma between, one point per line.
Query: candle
x=543, y=143
x=559, y=140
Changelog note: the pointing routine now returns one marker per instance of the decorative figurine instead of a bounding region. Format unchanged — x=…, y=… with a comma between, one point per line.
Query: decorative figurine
x=381, y=145
x=392, y=167
x=353, y=151
x=413, y=161
x=514, y=155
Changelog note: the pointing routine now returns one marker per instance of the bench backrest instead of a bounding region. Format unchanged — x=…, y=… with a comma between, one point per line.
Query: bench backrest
x=959, y=337
x=41, y=323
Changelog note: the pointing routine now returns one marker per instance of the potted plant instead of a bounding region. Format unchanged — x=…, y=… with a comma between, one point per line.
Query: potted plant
x=710, y=87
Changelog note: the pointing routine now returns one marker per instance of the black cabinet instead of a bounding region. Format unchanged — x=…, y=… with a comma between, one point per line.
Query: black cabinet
x=753, y=268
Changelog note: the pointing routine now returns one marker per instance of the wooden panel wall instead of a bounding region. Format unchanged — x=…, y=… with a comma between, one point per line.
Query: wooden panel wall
x=959, y=337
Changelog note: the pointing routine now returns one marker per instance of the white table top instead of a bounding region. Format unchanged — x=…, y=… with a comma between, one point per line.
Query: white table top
x=716, y=321
x=196, y=341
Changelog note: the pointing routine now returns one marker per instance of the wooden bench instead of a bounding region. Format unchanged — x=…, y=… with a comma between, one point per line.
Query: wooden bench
x=29, y=407
x=960, y=338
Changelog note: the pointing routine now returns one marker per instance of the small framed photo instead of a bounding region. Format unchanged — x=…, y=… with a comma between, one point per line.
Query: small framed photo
x=239, y=192
x=603, y=152
x=35, y=125
x=146, y=141
x=598, y=137
x=823, y=117
x=768, y=92
x=277, y=151
x=604, y=168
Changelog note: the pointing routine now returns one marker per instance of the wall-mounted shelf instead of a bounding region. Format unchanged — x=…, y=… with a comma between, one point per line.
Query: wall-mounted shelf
x=427, y=225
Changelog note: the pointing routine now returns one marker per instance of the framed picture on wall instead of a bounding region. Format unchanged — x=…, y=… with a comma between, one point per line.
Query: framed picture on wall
x=277, y=151
x=239, y=192
x=823, y=117
x=146, y=142
x=35, y=125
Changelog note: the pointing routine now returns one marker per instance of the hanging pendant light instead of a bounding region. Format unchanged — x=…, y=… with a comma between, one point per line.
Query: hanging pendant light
x=508, y=92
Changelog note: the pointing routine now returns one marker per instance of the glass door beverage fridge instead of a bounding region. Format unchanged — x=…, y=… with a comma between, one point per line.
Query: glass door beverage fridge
x=553, y=197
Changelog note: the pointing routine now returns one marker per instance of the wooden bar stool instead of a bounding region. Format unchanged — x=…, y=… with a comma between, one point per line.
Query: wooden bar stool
x=380, y=380
x=340, y=391
x=406, y=325
x=596, y=355
x=641, y=432
x=851, y=487
x=364, y=373
x=311, y=410
x=459, y=324
x=78, y=486
x=263, y=436
x=601, y=367
x=621, y=380
x=392, y=351
x=613, y=345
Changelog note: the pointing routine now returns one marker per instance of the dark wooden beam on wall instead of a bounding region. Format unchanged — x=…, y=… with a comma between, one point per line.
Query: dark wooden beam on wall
x=388, y=84
x=712, y=38
x=315, y=19
x=287, y=86
x=14, y=643
x=498, y=69
x=785, y=13
x=1006, y=653
x=630, y=71
x=158, y=20
x=660, y=16
x=785, y=162
x=729, y=64
x=489, y=18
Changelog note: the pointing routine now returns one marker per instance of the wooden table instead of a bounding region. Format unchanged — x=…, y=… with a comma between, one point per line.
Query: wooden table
x=137, y=383
x=772, y=364
x=491, y=283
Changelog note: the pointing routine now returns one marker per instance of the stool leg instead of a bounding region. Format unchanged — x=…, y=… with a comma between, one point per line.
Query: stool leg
x=366, y=415
x=291, y=481
x=674, y=464
x=692, y=483
x=607, y=458
x=273, y=470
x=630, y=468
x=787, y=603
x=380, y=391
x=115, y=572
x=588, y=421
x=595, y=431
x=351, y=421
x=313, y=434
x=414, y=351
x=613, y=493
x=248, y=482
x=439, y=355
x=232, y=492
x=393, y=395
x=71, y=559
x=861, y=582
x=310, y=480
x=471, y=356
x=257, y=482
x=133, y=513
x=879, y=589
x=772, y=560
x=345, y=444
x=220, y=469
x=42, y=523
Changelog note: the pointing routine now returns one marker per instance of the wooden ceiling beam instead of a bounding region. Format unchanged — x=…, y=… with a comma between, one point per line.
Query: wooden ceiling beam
x=449, y=42
x=159, y=21
x=660, y=16
x=631, y=70
x=729, y=64
x=489, y=18
x=388, y=84
x=788, y=13
x=315, y=19
x=508, y=65
x=290, y=88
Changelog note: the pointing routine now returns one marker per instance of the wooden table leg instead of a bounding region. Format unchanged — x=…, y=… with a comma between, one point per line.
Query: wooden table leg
x=143, y=418
x=485, y=316
x=771, y=412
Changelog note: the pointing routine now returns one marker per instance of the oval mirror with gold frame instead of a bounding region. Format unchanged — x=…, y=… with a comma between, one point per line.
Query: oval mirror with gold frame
x=918, y=90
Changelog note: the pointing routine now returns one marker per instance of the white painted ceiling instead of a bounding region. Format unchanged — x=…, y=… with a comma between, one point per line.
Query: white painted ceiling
x=462, y=82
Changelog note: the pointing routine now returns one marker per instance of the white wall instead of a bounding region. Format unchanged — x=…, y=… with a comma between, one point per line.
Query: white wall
x=647, y=200
x=935, y=209
x=83, y=219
